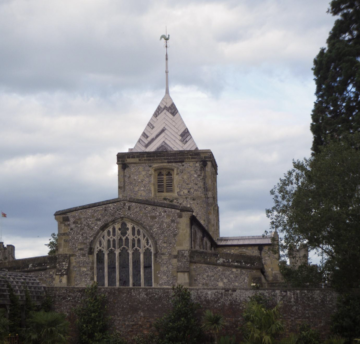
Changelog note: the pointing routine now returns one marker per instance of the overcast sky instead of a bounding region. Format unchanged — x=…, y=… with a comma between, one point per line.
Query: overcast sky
x=79, y=80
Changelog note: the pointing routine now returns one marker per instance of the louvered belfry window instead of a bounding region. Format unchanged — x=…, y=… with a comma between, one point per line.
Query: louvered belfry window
x=124, y=257
x=165, y=181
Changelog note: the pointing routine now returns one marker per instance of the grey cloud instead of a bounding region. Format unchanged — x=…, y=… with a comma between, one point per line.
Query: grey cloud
x=114, y=47
x=79, y=84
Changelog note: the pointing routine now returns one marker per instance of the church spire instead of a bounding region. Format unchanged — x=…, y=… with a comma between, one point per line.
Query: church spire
x=166, y=130
x=166, y=62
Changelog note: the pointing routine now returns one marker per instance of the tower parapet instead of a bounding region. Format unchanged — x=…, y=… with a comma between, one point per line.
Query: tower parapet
x=7, y=253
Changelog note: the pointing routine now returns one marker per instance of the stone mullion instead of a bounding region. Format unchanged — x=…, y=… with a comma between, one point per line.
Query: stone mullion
x=130, y=268
x=117, y=262
x=106, y=265
x=152, y=266
x=130, y=257
x=95, y=256
x=142, y=258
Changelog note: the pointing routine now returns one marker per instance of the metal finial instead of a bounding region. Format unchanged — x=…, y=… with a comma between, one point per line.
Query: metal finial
x=166, y=38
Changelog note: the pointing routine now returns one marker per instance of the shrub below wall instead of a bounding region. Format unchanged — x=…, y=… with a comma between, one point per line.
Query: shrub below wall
x=134, y=310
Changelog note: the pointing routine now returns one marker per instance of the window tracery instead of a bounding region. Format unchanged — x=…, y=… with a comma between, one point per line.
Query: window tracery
x=124, y=257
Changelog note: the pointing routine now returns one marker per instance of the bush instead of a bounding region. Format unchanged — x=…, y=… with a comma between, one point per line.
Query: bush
x=14, y=312
x=47, y=328
x=213, y=323
x=182, y=324
x=346, y=319
x=4, y=326
x=227, y=340
x=92, y=320
x=335, y=340
x=307, y=335
x=263, y=324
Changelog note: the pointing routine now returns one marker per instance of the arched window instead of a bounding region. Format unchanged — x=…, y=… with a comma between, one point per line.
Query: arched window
x=124, y=257
x=165, y=181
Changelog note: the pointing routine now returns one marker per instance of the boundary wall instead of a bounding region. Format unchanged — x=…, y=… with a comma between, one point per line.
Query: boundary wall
x=133, y=310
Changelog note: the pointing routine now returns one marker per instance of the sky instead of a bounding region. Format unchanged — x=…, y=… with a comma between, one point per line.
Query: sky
x=79, y=80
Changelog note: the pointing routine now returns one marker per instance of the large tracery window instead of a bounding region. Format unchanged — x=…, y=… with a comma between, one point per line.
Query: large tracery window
x=165, y=181
x=124, y=257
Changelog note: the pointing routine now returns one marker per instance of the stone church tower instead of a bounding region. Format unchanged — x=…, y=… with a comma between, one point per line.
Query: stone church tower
x=163, y=228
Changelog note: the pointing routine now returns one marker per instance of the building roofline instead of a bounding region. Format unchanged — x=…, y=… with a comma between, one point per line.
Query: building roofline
x=244, y=240
x=175, y=156
x=130, y=200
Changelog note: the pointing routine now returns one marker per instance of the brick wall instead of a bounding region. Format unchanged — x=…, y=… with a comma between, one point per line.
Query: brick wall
x=133, y=310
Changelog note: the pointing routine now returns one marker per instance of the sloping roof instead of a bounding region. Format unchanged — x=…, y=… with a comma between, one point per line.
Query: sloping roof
x=244, y=240
x=125, y=199
x=165, y=131
x=19, y=283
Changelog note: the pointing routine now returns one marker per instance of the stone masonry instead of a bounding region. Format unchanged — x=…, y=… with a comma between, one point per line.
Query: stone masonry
x=195, y=181
x=134, y=310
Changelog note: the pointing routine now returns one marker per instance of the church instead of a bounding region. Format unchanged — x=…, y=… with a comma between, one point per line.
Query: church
x=163, y=228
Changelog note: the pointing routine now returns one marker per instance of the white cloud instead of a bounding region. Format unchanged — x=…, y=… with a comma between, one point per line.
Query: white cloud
x=80, y=80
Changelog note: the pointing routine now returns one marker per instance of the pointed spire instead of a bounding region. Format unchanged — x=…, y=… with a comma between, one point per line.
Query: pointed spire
x=166, y=130
x=167, y=71
x=166, y=38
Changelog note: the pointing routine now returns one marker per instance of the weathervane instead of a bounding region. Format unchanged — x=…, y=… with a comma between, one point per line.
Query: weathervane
x=166, y=60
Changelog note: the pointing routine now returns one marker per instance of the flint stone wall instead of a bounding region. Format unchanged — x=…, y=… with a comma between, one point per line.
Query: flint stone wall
x=195, y=181
x=78, y=228
x=133, y=310
x=44, y=268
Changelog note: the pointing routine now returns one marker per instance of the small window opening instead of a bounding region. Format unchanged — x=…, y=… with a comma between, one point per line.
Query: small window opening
x=165, y=181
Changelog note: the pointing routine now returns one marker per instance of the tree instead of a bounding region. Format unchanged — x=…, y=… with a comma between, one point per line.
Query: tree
x=47, y=328
x=4, y=326
x=262, y=323
x=337, y=76
x=181, y=325
x=318, y=203
x=213, y=323
x=53, y=244
x=346, y=319
x=14, y=312
x=92, y=320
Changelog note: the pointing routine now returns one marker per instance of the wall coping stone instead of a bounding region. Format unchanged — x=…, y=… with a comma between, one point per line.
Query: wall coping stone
x=232, y=260
x=126, y=199
x=225, y=289
x=177, y=156
x=30, y=264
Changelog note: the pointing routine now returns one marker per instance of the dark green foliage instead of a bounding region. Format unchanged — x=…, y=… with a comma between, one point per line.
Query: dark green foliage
x=213, y=323
x=262, y=324
x=307, y=335
x=335, y=340
x=92, y=320
x=291, y=339
x=14, y=313
x=47, y=328
x=227, y=340
x=262, y=300
x=318, y=203
x=150, y=338
x=182, y=324
x=304, y=275
x=29, y=306
x=337, y=76
x=53, y=244
x=346, y=320
x=4, y=325
x=47, y=303
x=304, y=335
x=112, y=339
